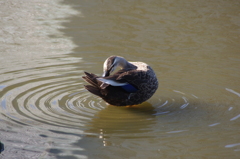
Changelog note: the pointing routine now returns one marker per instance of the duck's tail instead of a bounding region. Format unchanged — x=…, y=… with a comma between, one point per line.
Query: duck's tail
x=94, y=87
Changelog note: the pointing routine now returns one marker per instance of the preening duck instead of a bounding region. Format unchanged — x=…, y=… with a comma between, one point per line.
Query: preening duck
x=133, y=84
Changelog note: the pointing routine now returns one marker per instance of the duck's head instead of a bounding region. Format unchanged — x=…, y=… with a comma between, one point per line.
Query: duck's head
x=112, y=63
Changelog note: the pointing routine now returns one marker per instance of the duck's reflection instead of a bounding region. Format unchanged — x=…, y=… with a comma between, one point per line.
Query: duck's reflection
x=124, y=122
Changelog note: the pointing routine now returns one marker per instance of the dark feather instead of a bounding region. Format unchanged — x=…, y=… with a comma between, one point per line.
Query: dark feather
x=91, y=79
x=93, y=90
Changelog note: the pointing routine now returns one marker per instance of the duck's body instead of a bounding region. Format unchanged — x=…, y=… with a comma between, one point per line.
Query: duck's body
x=133, y=84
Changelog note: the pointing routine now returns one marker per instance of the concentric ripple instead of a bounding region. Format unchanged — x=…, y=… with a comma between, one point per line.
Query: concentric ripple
x=50, y=99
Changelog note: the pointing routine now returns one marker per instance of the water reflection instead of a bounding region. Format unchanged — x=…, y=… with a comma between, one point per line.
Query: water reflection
x=123, y=120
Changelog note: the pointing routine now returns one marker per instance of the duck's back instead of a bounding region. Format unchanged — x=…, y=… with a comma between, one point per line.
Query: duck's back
x=142, y=77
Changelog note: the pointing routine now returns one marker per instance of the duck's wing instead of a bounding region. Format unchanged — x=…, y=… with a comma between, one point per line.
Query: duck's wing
x=91, y=79
x=124, y=85
x=94, y=87
x=134, y=77
x=121, y=79
x=112, y=82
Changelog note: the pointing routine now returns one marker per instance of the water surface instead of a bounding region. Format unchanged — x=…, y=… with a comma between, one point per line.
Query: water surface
x=193, y=46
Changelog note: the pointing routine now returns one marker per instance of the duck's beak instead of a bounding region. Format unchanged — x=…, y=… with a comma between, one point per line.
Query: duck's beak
x=106, y=73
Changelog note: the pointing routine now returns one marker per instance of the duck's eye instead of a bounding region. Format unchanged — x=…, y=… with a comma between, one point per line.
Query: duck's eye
x=111, y=69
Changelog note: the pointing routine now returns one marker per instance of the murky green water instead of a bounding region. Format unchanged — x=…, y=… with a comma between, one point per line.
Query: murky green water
x=193, y=46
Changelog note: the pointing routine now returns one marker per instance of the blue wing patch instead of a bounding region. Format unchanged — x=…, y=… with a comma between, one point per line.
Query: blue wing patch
x=129, y=88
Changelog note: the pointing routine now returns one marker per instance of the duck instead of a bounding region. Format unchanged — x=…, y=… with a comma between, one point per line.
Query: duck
x=132, y=84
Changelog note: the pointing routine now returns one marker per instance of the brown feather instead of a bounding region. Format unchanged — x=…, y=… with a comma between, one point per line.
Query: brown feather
x=93, y=90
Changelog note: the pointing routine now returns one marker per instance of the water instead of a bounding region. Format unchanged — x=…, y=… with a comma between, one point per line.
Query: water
x=193, y=46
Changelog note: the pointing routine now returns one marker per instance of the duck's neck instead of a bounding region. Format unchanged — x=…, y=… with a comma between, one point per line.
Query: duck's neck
x=124, y=64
